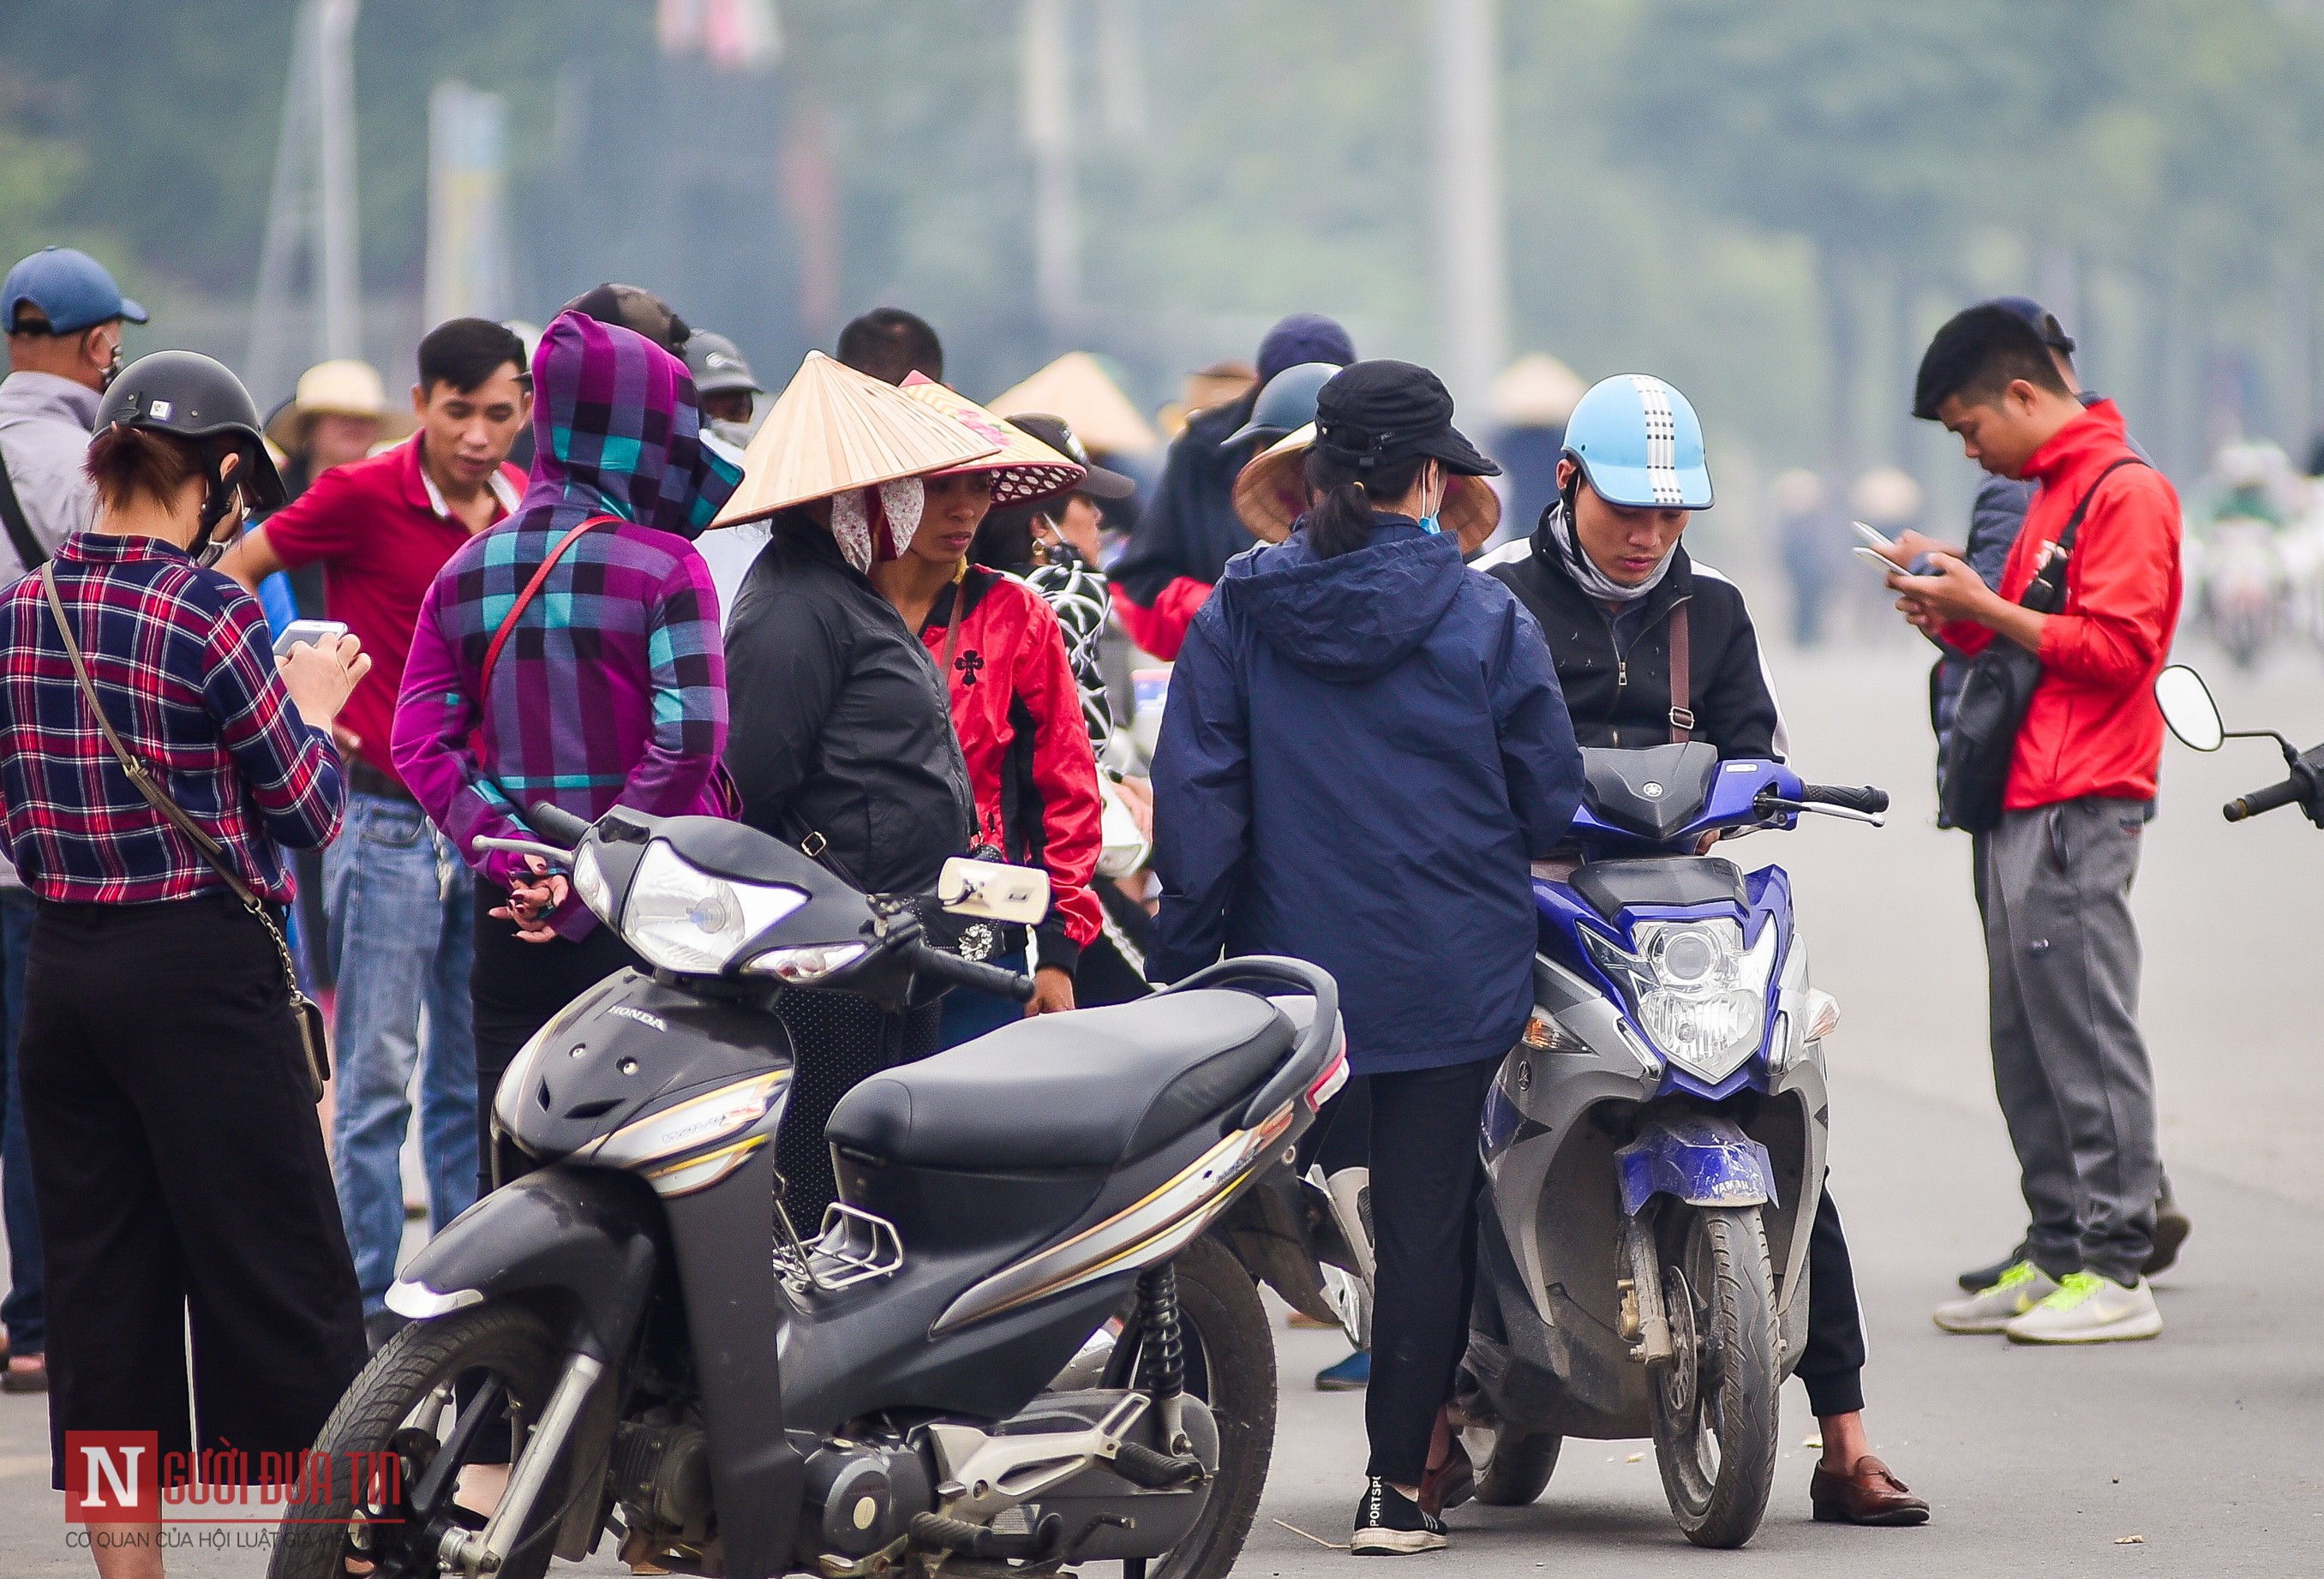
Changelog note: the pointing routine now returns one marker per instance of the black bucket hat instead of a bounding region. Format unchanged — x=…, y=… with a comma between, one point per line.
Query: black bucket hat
x=1375, y=414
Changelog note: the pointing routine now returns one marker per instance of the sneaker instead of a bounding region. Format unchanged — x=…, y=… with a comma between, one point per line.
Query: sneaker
x=1352, y=1374
x=1979, y=1278
x=2087, y=1308
x=1389, y=1524
x=2170, y=1230
x=2021, y=1286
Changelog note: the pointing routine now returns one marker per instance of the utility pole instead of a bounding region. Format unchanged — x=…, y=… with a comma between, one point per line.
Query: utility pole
x=311, y=213
x=1048, y=69
x=1472, y=238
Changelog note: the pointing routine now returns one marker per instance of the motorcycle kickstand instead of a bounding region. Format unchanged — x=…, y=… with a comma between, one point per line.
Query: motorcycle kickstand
x=1643, y=1316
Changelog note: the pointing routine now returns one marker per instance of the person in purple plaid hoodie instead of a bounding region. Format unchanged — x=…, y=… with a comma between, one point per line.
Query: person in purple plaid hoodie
x=611, y=688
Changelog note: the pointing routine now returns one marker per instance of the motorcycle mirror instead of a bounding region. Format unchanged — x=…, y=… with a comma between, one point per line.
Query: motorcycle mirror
x=987, y=889
x=2187, y=708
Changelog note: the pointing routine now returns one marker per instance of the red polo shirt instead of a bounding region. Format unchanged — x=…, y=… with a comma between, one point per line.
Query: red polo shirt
x=2094, y=728
x=382, y=530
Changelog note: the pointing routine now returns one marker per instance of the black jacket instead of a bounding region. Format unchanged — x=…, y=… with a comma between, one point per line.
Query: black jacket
x=1190, y=529
x=836, y=720
x=1618, y=688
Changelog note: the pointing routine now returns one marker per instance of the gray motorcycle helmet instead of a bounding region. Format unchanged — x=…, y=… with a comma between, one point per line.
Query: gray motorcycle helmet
x=717, y=366
x=1285, y=405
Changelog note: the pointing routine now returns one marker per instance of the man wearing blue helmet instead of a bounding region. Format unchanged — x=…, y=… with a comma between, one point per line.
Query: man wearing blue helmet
x=1650, y=647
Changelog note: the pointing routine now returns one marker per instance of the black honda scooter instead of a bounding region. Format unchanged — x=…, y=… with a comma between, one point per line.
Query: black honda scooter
x=1011, y=1345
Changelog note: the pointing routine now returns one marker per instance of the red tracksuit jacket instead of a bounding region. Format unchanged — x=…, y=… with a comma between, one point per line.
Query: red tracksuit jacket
x=2094, y=728
x=1019, y=718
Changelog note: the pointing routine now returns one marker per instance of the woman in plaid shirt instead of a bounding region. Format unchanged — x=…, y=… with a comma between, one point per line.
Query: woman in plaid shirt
x=177, y=1164
x=612, y=687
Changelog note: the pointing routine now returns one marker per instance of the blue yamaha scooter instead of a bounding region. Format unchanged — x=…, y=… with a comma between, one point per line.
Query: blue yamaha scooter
x=1654, y=1145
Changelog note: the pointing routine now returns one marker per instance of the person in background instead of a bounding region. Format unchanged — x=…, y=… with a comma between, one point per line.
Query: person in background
x=1184, y=538
x=842, y=745
x=1056, y=545
x=1994, y=522
x=1350, y=691
x=725, y=384
x=400, y=902
x=892, y=345
x=1014, y=705
x=339, y=414
x=2061, y=945
x=169, y=1095
x=613, y=690
x=63, y=316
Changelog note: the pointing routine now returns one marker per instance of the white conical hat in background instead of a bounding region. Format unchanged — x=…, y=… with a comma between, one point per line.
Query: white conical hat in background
x=833, y=429
x=1077, y=390
x=1535, y=390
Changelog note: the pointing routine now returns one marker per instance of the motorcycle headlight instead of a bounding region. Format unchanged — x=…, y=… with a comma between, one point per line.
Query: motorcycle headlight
x=683, y=918
x=811, y=963
x=589, y=883
x=1698, y=995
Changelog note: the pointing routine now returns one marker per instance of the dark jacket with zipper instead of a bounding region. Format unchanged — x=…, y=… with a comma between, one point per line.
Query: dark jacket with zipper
x=837, y=724
x=1615, y=672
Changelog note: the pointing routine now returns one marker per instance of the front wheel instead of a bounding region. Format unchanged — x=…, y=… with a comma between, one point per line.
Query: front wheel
x=1231, y=1367
x=1714, y=1402
x=457, y=1385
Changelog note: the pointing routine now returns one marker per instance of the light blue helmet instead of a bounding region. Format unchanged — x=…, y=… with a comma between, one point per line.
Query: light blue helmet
x=1640, y=445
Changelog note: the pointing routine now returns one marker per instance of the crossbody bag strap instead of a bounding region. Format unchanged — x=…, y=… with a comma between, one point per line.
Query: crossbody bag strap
x=1681, y=717
x=2053, y=576
x=28, y=552
x=524, y=600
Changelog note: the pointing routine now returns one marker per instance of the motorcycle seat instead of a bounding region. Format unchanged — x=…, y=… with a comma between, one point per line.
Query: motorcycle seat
x=1093, y=1088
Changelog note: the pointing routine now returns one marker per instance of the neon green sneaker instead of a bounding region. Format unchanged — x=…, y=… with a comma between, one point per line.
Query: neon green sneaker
x=2087, y=1308
x=2020, y=1288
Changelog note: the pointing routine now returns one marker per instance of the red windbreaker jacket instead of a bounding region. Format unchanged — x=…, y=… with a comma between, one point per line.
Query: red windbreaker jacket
x=1020, y=719
x=2094, y=728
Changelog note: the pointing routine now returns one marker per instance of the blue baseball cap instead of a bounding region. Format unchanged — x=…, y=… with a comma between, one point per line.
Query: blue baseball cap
x=72, y=288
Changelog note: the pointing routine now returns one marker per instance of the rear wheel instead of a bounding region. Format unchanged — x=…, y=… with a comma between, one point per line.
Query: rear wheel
x=1714, y=1402
x=397, y=1420
x=1231, y=1367
x=1513, y=1466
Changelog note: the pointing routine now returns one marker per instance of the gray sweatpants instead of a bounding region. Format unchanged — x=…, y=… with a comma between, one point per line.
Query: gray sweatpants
x=2068, y=1063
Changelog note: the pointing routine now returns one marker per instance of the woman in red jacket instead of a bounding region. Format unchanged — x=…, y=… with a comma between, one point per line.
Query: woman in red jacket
x=1014, y=703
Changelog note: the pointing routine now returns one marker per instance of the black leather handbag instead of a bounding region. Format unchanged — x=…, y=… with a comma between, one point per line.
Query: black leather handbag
x=1997, y=692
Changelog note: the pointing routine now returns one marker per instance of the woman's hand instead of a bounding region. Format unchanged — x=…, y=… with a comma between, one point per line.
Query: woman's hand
x=1053, y=991
x=1138, y=796
x=531, y=904
x=319, y=677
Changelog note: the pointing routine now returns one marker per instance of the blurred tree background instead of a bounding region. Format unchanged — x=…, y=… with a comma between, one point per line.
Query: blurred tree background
x=1770, y=204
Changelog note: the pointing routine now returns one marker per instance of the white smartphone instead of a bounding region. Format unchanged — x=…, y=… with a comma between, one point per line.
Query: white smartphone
x=302, y=631
x=1874, y=537
x=1878, y=560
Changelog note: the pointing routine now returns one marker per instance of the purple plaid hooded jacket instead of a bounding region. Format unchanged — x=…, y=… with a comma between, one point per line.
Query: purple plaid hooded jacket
x=612, y=689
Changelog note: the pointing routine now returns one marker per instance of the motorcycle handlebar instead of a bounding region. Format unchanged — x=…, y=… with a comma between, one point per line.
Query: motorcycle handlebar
x=1870, y=800
x=2265, y=800
x=935, y=962
x=557, y=823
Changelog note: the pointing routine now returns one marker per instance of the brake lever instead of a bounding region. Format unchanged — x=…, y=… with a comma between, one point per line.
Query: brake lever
x=1878, y=819
x=548, y=852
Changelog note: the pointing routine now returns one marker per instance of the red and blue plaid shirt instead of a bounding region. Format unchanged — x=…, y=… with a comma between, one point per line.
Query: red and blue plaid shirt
x=181, y=658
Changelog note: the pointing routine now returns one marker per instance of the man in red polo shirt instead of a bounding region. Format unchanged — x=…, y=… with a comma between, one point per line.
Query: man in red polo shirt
x=2061, y=947
x=399, y=899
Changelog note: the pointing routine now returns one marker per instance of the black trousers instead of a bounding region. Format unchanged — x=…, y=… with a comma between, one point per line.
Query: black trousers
x=1425, y=1174
x=516, y=987
x=1831, y=1362
x=181, y=1175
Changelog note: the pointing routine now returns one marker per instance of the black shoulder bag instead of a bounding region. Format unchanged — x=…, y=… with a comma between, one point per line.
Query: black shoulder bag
x=28, y=552
x=1997, y=692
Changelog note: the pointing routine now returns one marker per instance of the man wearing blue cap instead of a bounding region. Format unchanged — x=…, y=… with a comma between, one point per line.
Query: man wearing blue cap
x=63, y=316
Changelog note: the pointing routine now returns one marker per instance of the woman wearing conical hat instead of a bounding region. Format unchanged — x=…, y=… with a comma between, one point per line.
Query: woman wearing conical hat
x=839, y=736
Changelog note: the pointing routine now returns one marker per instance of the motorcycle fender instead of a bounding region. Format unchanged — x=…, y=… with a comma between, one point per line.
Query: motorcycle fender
x=588, y=1238
x=1279, y=1234
x=1699, y=1158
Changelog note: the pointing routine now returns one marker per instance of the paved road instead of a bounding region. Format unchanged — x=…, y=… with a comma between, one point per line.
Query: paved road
x=2203, y=1442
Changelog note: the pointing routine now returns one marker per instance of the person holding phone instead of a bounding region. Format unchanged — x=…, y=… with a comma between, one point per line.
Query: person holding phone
x=169, y=1094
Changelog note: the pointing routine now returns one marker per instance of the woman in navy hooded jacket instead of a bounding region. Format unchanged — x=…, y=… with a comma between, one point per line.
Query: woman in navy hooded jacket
x=1365, y=746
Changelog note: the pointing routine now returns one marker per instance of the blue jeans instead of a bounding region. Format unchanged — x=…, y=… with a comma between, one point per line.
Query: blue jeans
x=27, y=1278
x=969, y=1014
x=403, y=940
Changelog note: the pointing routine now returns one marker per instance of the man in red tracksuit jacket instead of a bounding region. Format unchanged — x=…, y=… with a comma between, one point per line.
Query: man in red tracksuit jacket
x=2069, y=1063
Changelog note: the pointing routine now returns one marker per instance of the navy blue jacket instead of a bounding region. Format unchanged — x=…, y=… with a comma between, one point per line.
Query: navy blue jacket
x=1359, y=758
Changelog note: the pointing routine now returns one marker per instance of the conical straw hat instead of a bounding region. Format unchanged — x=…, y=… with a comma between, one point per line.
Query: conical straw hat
x=834, y=430
x=1536, y=391
x=1075, y=388
x=1271, y=493
x=1025, y=469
